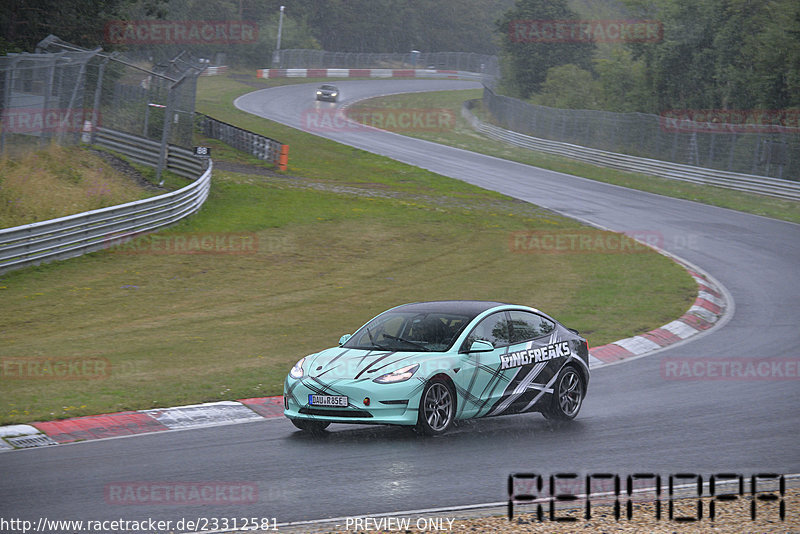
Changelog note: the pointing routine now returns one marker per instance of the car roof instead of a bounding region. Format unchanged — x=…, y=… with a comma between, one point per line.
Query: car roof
x=472, y=308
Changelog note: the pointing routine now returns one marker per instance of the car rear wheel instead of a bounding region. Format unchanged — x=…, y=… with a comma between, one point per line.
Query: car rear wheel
x=568, y=394
x=314, y=427
x=437, y=408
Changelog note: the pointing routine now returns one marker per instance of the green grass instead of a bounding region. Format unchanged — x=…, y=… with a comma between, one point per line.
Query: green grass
x=463, y=136
x=54, y=181
x=340, y=239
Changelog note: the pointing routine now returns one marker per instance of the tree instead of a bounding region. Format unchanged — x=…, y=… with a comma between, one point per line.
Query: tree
x=569, y=86
x=621, y=82
x=526, y=58
x=761, y=64
x=726, y=54
x=23, y=23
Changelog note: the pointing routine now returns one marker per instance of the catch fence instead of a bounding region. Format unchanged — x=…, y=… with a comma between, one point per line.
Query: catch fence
x=65, y=93
x=763, y=149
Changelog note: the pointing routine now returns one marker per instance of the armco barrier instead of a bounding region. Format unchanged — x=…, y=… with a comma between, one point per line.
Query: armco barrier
x=254, y=144
x=369, y=73
x=214, y=71
x=145, y=151
x=71, y=236
x=749, y=183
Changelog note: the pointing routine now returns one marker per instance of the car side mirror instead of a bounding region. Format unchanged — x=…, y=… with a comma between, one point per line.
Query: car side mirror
x=344, y=339
x=481, y=346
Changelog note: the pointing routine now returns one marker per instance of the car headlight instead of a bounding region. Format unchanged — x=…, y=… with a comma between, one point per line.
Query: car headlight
x=319, y=92
x=401, y=375
x=297, y=370
x=334, y=93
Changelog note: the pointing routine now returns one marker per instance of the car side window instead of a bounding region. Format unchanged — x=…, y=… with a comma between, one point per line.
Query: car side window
x=494, y=329
x=526, y=326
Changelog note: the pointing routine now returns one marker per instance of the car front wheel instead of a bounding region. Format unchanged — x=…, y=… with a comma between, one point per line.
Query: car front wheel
x=437, y=408
x=568, y=394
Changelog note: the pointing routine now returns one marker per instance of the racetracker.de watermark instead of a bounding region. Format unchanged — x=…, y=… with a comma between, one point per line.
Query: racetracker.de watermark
x=51, y=120
x=160, y=32
x=146, y=493
x=394, y=120
x=778, y=369
x=233, y=243
x=730, y=121
x=585, y=31
x=583, y=241
x=43, y=368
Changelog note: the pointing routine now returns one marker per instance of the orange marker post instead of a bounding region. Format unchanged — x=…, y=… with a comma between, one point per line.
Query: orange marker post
x=283, y=159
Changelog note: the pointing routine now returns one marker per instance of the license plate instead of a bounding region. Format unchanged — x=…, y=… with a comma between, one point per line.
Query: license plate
x=327, y=400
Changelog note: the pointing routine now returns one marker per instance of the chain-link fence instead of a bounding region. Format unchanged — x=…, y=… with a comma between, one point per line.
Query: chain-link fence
x=65, y=93
x=760, y=148
x=44, y=96
x=321, y=59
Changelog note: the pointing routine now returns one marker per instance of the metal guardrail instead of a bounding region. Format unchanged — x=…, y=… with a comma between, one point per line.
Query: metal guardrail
x=749, y=183
x=74, y=235
x=254, y=144
x=146, y=151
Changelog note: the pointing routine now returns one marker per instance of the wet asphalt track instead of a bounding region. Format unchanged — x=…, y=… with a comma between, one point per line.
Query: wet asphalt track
x=633, y=420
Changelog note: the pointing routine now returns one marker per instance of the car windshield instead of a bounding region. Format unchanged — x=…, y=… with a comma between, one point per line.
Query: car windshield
x=410, y=331
x=328, y=88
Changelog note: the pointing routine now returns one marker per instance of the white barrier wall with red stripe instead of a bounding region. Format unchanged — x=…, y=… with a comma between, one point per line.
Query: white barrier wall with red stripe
x=214, y=71
x=368, y=73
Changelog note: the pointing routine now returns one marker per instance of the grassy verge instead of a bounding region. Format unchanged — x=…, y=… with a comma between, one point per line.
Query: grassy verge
x=462, y=135
x=57, y=181
x=332, y=243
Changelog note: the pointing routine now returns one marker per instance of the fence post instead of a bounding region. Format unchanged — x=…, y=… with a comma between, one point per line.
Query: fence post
x=48, y=90
x=7, y=99
x=168, y=112
x=146, y=119
x=79, y=88
x=97, y=93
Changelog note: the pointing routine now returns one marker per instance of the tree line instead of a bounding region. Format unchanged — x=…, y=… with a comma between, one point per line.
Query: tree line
x=708, y=54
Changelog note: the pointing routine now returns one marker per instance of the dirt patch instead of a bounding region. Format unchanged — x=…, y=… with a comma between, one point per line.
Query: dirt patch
x=126, y=169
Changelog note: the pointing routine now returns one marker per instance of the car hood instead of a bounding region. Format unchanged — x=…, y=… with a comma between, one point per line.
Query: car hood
x=360, y=364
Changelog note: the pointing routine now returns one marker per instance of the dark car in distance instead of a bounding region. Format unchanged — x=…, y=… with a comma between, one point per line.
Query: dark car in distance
x=328, y=92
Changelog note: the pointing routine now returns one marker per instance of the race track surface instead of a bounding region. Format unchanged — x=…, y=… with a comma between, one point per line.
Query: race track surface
x=634, y=419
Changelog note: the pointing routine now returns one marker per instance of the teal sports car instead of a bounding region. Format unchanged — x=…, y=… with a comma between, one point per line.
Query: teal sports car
x=427, y=364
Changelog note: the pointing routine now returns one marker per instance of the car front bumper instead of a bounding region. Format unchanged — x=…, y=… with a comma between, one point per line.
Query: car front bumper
x=393, y=404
